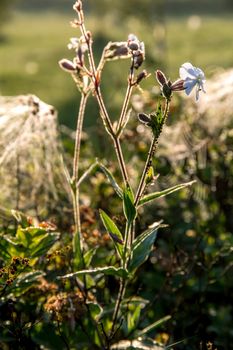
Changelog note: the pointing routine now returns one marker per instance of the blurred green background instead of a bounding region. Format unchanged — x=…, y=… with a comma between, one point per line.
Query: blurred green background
x=34, y=36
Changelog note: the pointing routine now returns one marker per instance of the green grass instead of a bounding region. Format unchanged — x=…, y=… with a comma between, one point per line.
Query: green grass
x=34, y=43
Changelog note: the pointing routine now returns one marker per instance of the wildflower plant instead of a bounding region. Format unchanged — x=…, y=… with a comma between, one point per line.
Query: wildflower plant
x=81, y=289
x=132, y=248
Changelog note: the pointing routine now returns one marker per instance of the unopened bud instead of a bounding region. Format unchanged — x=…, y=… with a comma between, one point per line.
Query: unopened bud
x=144, y=118
x=77, y=5
x=141, y=76
x=178, y=85
x=133, y=45
x=161, y=78
x=138, y=59
x=67, y=65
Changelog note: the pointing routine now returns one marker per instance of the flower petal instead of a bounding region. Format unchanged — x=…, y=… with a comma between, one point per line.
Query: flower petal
x=189, y=85
x=187, y=71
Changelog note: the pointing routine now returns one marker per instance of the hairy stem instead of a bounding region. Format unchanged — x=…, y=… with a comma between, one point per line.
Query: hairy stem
x=150, y=155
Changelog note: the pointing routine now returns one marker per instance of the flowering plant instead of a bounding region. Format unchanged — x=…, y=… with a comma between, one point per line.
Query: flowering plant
x=132, y=248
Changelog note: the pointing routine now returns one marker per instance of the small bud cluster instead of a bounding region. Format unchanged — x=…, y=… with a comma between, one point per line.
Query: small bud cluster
x=77, y=66
x=137, y=49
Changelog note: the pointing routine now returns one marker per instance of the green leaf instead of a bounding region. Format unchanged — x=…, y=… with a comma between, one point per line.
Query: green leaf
x=106, y=270
x=142, y=247
x=44, y=244
x=21, y=218
x=128, y=205
x=153, y=325
x=29, y=242
x=113, y=231
x=25, y=281
x=88, y=256
x=133, y=318
x=112, y=180
x=152, y=196
x=95, y=310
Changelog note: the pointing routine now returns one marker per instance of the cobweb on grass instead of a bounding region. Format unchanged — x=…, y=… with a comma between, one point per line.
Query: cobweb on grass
x=31, y=171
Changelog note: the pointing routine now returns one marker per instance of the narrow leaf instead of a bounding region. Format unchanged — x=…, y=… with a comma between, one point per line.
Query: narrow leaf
x=106, y=270
x=89, y=170
x=113, y=231
x=142, y=247
x=152, y=196
x=88, y=256
x=153, y=325
x=112, y=180
x=128, y=205
x=95, y=310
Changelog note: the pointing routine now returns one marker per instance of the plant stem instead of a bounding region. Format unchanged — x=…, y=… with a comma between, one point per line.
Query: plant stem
x=150, y=155
x=120, y=297
x=126, y=101
x=75, y=189
x=104, y=114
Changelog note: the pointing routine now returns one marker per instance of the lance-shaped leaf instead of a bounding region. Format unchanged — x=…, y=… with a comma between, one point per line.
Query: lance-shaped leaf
x=25, y=281
x=112, y=180
x=106, y=270
x=152, y=196
x=142, y=247
x=128, y=205
x=113, y=231
x=153, y=325
x=88, y=256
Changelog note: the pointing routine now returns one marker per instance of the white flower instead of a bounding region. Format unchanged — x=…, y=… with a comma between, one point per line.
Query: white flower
x=192, y=77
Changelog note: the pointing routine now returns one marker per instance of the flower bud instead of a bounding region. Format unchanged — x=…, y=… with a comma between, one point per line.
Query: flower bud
x=178, y=85
x=144, y=118
x=141, y=76
x=67, y=65
x=133, y=45
x=77, y=5
x=161, y=78
x=138, y=59
x=167, y=91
